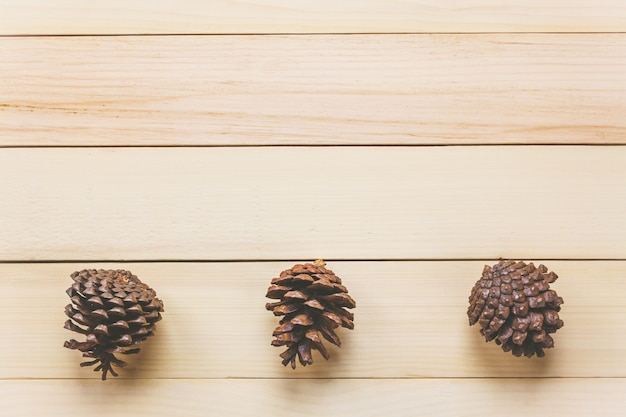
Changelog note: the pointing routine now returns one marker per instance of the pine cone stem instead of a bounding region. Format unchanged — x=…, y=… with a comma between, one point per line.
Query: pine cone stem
x=106, y=360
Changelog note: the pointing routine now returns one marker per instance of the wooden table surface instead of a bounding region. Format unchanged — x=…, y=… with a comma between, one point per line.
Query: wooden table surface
x=208, y=145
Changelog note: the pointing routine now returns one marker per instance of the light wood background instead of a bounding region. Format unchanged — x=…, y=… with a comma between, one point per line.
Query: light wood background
x=208, y=145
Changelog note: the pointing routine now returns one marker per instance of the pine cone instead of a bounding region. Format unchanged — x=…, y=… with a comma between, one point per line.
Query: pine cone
x=514, y=305
x=312, y=301
x=117, y=311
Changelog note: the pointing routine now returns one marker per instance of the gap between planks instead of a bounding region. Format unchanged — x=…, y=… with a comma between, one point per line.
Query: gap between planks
x=235, y=261
x=295, y=34
x=312, y=145
x=329, y=378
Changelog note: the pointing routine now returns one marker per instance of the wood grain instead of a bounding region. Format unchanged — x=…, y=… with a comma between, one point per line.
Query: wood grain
x=31, y=17
x=309, y=398
x=410, y=322
x=366, y=89
x=302, y=202
x=407, y=220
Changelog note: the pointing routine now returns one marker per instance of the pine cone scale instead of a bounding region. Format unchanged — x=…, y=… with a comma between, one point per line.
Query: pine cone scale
x=283, y=328
x=328, y=333
x=339, y=299
x=302, y=319
x=304, y=352
x=315, y=304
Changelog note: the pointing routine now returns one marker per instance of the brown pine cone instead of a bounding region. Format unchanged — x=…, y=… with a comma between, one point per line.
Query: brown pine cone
x=117, y=312
x=514, y=305
x=312, y=301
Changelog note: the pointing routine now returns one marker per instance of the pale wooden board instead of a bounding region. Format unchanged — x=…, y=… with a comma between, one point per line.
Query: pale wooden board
x=299, y=16
x=233, y=90
x=313, y=398
x=302, y=202
x=410, y=322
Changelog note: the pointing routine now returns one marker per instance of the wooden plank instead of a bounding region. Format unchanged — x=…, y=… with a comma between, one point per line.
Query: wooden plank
x=410, y=322
x=239, y=398
x=258, y=90
x=298, y=16
x=302, y=202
